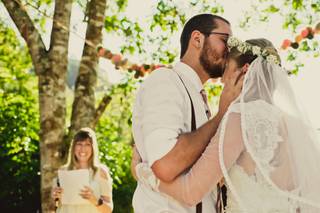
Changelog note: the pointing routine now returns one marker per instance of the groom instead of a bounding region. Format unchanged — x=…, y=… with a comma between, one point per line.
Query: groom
x=172, y=124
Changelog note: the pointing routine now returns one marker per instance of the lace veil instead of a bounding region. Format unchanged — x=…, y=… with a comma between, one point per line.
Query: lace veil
x=281, y=149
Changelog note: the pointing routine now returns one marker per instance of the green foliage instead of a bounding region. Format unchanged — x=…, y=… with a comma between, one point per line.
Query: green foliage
x=117, y=155
x=169, y=17
x=155, y=37
x=214, y=92
x=19, y=126
x=296, y=68
x=115, y=140
x=129, y=29
x=41, y=10
x=316, y=6
x=292, y=21
x=307, y=47
x=207, y=6
x=297, y=4
x=295, y=13
x=291, y=56
x=271, y=9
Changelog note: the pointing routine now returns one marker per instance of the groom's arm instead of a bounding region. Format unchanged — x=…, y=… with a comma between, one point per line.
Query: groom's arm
x=190, y=146
x=187, y=150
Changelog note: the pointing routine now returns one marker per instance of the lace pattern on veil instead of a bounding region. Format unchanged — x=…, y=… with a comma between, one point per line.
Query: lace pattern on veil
x=272, y=132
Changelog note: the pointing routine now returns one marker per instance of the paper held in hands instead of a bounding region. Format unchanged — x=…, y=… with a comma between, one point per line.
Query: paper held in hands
x=72, y=181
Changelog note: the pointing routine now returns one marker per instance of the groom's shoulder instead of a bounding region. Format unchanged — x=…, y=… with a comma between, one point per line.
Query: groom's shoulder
x=164, y=76
x=160, y=73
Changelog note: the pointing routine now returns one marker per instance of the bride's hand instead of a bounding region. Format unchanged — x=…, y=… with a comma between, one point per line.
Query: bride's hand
x=146, y=177
x=232, y=89
x=135, y=160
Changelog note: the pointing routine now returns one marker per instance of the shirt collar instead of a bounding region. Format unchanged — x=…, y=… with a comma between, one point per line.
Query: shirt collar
x=190, y=74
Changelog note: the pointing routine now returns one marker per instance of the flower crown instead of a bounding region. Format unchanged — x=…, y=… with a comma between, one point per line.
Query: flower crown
x=244, y=47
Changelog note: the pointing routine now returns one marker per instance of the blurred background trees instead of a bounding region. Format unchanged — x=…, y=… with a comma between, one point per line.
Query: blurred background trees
x=46, y=94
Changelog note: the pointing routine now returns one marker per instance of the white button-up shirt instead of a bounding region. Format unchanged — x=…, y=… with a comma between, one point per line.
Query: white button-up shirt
x=161, y=112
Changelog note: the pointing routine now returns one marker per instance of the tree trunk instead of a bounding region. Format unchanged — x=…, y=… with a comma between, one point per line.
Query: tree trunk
x=51, y=68
x=83, y=108
x=52, y=85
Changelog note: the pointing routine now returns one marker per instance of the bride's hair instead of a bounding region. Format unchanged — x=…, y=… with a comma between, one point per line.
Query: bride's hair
x=248, y=57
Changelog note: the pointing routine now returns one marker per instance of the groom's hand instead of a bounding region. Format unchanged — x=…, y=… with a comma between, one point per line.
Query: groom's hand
x=190, y=145
x=231, y=91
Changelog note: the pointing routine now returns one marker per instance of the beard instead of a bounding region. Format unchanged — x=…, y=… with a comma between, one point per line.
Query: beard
x=213, y=63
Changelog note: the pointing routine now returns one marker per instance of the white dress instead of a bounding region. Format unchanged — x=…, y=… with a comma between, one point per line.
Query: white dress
x=263, y=198
x=245, y=184
x=254, y=191
x=100, y=186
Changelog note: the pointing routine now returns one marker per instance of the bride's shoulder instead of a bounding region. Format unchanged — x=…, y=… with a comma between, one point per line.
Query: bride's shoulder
x=249, y=106
x=254, y=107
x=262, y=109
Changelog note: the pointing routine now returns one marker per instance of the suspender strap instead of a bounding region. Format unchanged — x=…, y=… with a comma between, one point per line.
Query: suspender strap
x=193, y=127
x=199, y=208
x=193, y=118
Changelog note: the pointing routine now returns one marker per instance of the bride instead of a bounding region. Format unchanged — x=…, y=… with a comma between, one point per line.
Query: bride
x=265, y=149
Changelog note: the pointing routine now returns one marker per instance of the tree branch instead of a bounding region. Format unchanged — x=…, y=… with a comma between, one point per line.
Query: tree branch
x=101, y=108
x=61, y=25
x=31, y=35
x=83, y=108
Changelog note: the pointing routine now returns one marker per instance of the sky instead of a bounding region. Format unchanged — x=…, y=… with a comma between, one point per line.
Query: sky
x=306, y=84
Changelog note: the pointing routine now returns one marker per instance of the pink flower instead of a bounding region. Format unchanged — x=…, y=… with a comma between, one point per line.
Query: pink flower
x=286, y=43
x=157, y=66
x=304, y=33
x=116, y=58
x=101, y=52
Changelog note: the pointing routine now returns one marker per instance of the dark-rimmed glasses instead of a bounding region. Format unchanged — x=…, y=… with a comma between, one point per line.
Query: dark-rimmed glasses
x=217, y=33
x=225, y=40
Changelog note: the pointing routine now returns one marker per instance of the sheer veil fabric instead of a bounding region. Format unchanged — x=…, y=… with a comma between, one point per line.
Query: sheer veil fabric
x=280, y=153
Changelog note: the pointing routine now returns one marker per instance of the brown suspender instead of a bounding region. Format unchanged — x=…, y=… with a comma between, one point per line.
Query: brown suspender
x=199, y=208
x=193, y=128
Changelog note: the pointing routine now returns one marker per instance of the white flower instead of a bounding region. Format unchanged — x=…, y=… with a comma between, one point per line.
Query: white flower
x=243, y=47
x=264, y=53
x=256, y=50
x=272, y=59
x=233, y=42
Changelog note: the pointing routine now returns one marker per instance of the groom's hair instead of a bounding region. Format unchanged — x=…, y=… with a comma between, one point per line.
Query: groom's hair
x=204, y=23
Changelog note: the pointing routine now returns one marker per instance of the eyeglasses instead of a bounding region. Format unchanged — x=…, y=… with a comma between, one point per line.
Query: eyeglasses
x=217, y=33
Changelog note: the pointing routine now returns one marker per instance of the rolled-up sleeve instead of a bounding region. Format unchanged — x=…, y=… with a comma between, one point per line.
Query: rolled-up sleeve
x=162, y=103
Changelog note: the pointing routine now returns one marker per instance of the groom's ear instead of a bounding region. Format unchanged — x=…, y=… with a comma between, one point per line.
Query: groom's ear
x=196, y=39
